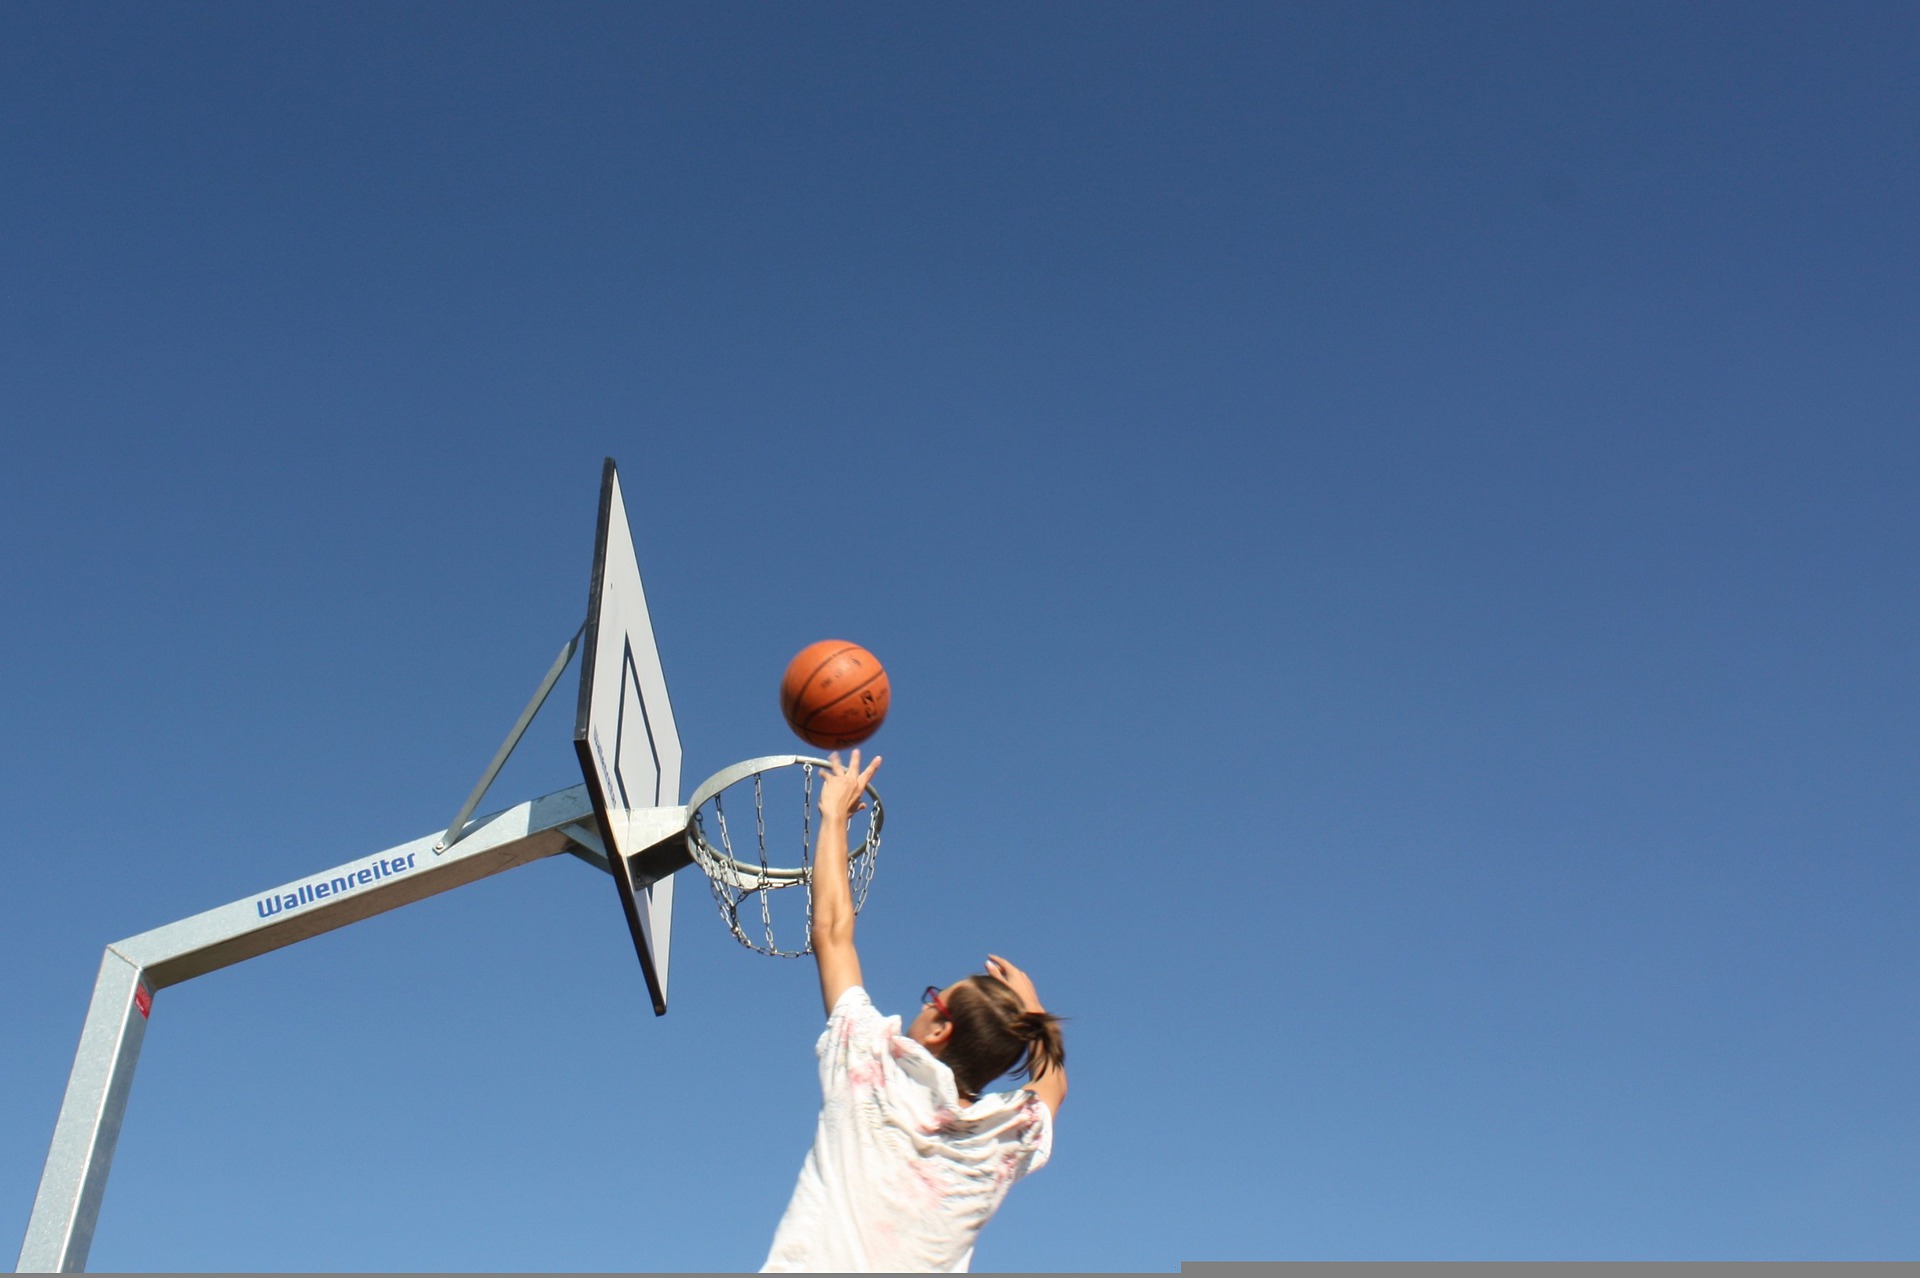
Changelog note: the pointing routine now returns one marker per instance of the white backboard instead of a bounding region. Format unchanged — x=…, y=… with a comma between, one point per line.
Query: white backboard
x=624, y=732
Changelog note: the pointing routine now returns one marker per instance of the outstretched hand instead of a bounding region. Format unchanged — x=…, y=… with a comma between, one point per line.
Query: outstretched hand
x=842, y=785
x=832, y=930
x=1017, y=980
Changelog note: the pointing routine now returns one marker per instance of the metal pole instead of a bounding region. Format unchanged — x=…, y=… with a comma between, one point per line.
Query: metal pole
x=75, y=1178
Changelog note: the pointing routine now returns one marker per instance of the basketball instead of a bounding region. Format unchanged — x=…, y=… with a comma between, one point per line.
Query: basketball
x=835, y=694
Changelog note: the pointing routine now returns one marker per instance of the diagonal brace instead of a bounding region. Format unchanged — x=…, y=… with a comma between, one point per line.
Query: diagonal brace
x=458, y=826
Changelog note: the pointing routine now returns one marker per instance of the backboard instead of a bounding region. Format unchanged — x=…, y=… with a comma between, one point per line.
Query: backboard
x=625, y=737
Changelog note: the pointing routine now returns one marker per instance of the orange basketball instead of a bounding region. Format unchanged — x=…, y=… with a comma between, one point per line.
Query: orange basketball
x=835, y=694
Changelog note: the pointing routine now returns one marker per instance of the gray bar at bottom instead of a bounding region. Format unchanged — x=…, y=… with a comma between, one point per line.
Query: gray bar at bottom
x=1550, y=1269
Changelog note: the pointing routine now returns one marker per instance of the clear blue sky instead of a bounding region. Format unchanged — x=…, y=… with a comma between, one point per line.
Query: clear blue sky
x=1392, y=526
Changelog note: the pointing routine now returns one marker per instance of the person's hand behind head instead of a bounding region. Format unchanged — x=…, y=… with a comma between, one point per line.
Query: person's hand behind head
x=1017, y=980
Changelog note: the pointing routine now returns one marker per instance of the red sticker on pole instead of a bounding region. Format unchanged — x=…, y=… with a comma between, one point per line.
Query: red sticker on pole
x=143, y=998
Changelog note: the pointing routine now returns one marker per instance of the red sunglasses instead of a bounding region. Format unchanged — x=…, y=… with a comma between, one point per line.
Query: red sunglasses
x=931, y=998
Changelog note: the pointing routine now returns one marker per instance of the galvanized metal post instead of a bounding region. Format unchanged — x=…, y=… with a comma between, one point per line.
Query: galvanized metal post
x=75, y=1178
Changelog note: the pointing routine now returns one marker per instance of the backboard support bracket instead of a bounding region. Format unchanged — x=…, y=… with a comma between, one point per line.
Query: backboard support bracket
x=457, y=827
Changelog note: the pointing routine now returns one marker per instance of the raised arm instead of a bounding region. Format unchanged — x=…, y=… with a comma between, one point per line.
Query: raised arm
x=840, y=789
x=1051, y=1086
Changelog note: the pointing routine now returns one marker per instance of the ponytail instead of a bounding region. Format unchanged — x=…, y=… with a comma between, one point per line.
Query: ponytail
x=1046, y=1049
x=993, y=1033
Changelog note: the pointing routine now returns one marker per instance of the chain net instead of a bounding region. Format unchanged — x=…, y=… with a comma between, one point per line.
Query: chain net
x=753, y=878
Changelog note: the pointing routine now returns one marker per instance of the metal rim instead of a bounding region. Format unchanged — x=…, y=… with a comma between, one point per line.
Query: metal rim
x=750, y=877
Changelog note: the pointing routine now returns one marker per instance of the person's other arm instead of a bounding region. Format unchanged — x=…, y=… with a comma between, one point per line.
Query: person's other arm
x=1051, y=1086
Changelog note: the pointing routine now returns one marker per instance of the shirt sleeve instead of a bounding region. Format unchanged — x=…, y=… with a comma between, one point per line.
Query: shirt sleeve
x=1036, y=1133
x=854, y=1047
x=1013, y=1130
x=1024, y=1130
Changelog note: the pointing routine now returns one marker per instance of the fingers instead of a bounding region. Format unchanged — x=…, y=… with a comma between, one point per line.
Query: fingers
x=852, y=768
x=852, y=765
x=997, y=966
x=1021, y=983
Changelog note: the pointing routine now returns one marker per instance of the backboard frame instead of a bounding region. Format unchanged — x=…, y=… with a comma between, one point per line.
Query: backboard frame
x=627, y=742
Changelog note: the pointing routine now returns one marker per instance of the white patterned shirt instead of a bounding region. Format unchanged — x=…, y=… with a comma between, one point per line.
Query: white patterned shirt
x=901, y=1176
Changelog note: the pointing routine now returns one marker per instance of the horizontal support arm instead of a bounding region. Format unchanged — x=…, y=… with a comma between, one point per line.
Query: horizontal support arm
x=357, y=890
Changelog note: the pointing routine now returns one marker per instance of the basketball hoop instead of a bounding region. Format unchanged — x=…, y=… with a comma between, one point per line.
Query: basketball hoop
x=774, y=781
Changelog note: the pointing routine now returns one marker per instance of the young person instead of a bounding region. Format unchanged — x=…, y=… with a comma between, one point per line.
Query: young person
x=912, y=1156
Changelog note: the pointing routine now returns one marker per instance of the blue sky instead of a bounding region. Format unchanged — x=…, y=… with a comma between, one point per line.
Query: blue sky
x=1392, y=528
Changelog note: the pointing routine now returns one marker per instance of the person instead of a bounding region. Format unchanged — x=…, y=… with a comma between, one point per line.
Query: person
x=912, y=1156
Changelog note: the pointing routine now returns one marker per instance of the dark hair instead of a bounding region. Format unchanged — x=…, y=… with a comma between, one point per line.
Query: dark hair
x=994, y=1033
